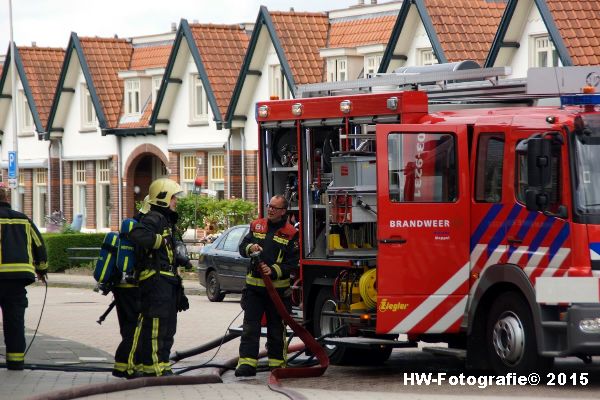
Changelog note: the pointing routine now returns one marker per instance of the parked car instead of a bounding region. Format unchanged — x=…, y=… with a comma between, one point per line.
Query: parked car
x=221, y=268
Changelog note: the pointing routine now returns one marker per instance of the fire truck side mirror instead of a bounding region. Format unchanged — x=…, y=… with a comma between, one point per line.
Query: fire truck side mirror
x=539, y=173
x=539, y=160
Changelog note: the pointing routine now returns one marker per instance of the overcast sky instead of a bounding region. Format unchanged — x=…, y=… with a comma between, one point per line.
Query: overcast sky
x=50, y=22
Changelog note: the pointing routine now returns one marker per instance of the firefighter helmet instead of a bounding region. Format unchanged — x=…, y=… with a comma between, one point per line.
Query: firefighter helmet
x=161, y=191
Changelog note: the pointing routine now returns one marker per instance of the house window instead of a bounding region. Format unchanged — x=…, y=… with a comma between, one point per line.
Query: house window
x=103, y=203
x=372, y=64
x=199, y=103
x=26, y=119
x=156, y=81
x=544, y=52
x=79, y=190
x=278, y=83
x=216, y=177
x=426, y=57
x=40, y=196
x=132, y=97
x=88, y=113
x=188, y=172
x=337, y=70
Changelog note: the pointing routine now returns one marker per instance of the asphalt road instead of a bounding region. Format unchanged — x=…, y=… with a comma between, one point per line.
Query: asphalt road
x=71, y=313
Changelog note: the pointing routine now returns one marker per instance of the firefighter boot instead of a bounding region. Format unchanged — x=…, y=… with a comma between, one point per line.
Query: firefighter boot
x=245, y=370
x=334, y=242
x=15, y=365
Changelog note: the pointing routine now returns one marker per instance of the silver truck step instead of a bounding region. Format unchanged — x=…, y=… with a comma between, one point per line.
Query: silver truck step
x=366, y=343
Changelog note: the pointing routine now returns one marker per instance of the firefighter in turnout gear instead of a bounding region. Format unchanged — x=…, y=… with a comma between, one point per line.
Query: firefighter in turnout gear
x=127, y=302
x=160, y=287
x=277, y=241
x=22, y=257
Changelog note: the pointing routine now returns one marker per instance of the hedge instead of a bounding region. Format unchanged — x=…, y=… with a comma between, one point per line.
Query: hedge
x=57, y=244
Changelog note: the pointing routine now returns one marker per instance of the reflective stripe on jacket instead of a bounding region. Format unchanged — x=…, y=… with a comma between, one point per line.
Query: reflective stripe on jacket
x=22, y=250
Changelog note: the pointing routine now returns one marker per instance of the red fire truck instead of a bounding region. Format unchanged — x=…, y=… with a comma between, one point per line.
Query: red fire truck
x=444, y=206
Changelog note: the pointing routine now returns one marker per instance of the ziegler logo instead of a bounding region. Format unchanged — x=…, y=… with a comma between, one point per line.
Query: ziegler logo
x=393, y=307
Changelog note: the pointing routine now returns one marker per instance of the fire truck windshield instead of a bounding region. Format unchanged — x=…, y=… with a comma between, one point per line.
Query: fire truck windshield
x=587, y=164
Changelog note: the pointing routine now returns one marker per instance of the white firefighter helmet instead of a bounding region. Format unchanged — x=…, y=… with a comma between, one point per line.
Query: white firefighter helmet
x=161, y=191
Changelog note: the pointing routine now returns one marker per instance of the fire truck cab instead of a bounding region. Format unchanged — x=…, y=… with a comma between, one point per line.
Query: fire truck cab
x=453, y=208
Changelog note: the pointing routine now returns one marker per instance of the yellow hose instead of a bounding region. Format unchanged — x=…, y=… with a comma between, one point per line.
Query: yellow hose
x=366, y=286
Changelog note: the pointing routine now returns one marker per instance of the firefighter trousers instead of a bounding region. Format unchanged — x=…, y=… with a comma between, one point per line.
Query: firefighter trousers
x=256, y=302
x=13, y=301
x=157, y=324
x=127, y=303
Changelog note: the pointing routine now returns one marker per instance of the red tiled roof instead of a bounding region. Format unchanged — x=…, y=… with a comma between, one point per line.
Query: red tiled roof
x=302, y=35
x=465, y=28
x=144, y=120
x=42, y=68
x=222, y=49
x=578, y=22
x=361, y=32
x=150, y=57
x=105, y=58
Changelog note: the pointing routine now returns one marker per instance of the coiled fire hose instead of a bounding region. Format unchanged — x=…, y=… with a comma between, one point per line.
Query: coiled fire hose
x=310, y=342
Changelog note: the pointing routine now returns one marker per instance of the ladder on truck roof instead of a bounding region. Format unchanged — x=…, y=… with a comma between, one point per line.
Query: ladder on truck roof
x=440, y=85
x=475, y=85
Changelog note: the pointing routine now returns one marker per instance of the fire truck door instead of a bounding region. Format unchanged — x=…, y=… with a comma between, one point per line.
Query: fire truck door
x=423, y=228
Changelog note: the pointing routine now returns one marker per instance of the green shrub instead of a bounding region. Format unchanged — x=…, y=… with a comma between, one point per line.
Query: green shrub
x=57, y=244
x=219, y=214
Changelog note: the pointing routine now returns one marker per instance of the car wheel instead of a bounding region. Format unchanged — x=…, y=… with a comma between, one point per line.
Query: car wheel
x=213, y=287
x=510, y=337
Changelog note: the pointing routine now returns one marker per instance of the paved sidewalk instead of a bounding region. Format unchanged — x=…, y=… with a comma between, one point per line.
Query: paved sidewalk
x=192, y=286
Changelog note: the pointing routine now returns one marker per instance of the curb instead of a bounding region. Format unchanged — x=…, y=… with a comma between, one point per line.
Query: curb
x=86, y=285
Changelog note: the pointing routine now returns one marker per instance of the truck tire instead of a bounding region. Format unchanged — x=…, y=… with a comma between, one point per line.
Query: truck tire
x=510, y=337
x=213, y=287
x=342, y=355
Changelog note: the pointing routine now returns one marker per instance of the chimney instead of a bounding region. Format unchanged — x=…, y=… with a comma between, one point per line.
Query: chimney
x=173, y=26
x=291, y=9
x=33, y=44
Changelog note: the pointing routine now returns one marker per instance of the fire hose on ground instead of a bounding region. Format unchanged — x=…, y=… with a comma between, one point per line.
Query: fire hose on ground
x=309, y=342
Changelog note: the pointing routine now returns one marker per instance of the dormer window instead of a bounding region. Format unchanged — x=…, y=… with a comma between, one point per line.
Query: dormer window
x=89, y=120
x=199, y=103
x=337, y=70
x=372, y=64
x=156, y=81
x=26, y=119
x=132, y=97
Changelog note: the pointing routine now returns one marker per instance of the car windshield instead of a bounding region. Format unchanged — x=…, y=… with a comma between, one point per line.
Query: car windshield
x=587, y=164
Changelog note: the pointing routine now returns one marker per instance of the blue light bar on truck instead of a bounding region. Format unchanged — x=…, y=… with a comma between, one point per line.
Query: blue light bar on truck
x=580, y=100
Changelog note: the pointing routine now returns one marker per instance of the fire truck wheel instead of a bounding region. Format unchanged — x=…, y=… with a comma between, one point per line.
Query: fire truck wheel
x=325, y=324
x=510, y=336
x=213, y=287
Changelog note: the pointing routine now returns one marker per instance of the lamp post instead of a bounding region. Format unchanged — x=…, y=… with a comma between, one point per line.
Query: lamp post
x=197, y=185
x=14, y=177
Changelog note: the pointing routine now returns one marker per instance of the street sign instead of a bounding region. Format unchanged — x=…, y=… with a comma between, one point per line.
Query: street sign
x=12, y=164
x=13, y=183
